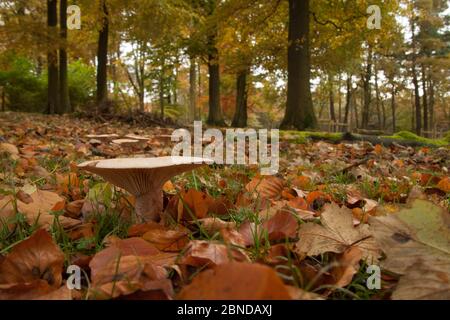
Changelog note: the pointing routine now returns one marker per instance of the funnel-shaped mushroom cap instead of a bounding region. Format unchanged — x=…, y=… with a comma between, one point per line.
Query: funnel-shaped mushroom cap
x=141, y=175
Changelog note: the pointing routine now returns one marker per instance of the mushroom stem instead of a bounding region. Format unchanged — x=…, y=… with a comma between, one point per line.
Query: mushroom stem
x=149, y=206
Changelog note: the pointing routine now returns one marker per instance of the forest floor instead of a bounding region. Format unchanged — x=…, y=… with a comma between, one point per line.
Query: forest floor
x=322, y=228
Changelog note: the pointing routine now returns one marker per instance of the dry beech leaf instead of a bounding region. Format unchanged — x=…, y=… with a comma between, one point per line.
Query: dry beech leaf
x=336, y=234
x=125, y=267
x=121, y=248
x=201, y=253
x=193, y=204
x=236, y=281
x=165, y=239
x=213, y=225
x=347, y=267
x=265, y=189
x=36, y=258
x=39, y=210
x=423, y=282
x=25, y=291
x=281, y=226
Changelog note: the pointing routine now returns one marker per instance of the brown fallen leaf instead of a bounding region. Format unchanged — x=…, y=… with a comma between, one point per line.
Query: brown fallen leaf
x=165, y=239
x=73, y=209
x=213, y=225
x=347, y=267
x=236, y=281
x=36, y=258
x=204, y=253
x=40, y=209
x=419, y=232
x=281, y=226
x=126, y=275
x=336, y=234
x=193, y=204
x=25, y=291
x=125, y=267
x=121, y=248
x=423, y=282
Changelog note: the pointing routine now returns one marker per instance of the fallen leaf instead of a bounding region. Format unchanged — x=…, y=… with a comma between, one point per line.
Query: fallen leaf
x=236, y=281
x=444, y=185
x=204, y=253
x=423, y=282
x=418, y=233
x=171, y=240
x=336, y=234
x=40, y=209
x=347, y=266
x=36, y=258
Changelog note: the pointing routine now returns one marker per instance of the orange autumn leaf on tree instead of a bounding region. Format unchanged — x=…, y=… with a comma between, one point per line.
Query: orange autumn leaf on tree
x=236, y=281
x=36, y=258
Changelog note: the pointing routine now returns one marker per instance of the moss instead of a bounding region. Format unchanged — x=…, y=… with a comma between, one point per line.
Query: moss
x=409, y=136
x=301, y=137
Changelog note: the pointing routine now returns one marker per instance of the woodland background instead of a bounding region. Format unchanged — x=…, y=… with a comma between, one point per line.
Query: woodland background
x=298, y=64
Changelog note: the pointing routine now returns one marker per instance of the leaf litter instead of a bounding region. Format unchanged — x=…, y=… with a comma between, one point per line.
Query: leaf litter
x=307, y=233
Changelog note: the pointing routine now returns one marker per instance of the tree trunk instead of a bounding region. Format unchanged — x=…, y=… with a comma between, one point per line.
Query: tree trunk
x=424, y=98
x=366, y=91
x=418, y=114
x=52, y=58
x=339, y=100
x=331, y=99
x=394, y=124
x=102, y=61
x=240, y=115
x=299, y=108
x=3, y=99
x=431, y=102
x=377, y=97
x=348, y=99
x=215, y=112
x=192, y=90
x=161, y=93
x=64, y=102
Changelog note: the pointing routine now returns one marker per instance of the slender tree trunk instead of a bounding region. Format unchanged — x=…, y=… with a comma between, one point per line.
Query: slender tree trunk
x=348, y=98
x=377, y=97
x=339, y=100
x=331, y=98
x=52, y=58
x=366, y=91
x=431, y=102
x=3, y=99
x=215, y=112
x=418, y=114
x=64, y=102
x=424, y=98
x=240, y=115
x=102, y=60
x=299, y=108
x=161, y=92
x=394, y=124
x=175, y=83
x=192, y=90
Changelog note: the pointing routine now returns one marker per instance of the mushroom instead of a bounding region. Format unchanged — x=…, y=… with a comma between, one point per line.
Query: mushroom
x=143, y=178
